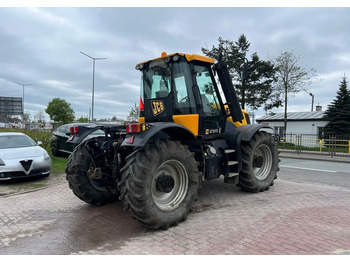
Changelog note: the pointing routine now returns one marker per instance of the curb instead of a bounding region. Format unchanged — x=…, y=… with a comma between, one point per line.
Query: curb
x=344, y=159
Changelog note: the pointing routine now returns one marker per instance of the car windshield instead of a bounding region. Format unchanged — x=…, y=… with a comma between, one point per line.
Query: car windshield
x=15, y=141
x=98, y=133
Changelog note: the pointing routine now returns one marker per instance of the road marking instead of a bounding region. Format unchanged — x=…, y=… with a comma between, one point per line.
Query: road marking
x=311, y=169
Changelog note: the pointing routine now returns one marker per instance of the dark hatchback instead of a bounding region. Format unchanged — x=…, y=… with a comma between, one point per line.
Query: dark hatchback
x=59, y=145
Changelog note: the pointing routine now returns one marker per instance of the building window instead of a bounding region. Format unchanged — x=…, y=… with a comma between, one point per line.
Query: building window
x=279, y=130
x=320, y=132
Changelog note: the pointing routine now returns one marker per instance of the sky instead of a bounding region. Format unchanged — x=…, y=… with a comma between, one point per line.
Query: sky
x=40, y=45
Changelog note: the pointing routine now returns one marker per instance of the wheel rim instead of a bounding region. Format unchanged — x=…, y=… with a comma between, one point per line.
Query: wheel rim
x=176, y=174
x=262, y=162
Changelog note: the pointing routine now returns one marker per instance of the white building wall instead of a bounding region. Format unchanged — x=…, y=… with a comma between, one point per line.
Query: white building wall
x=298, y=127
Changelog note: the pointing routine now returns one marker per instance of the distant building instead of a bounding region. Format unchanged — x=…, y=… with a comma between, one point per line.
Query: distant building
x=310, y=123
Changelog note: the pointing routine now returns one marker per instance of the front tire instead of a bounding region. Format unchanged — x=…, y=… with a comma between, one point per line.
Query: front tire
x=259, y=163
x=161, y=184
x=89, y=190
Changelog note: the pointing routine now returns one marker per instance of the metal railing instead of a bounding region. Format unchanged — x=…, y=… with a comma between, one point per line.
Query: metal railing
x=311, y=144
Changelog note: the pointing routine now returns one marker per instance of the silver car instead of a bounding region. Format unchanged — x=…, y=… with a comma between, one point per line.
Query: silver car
x=21, y=157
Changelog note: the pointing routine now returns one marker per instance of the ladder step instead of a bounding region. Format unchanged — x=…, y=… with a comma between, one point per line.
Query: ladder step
x=232, y=163
x=231, y=174
x=229, y=151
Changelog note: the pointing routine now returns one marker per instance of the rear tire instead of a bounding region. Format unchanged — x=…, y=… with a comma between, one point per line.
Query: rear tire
x=259, y=163
x=89, y=190
x=160, y=184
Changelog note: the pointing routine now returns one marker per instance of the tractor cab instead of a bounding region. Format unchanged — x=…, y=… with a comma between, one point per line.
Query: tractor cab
x=181, y=88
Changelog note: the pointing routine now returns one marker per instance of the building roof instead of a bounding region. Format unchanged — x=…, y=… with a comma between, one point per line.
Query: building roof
x=294, y=116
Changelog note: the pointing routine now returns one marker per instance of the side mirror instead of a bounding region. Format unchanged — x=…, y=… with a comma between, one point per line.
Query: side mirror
x=39, y=143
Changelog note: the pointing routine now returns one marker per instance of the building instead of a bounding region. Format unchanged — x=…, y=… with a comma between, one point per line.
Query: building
x=310, y=123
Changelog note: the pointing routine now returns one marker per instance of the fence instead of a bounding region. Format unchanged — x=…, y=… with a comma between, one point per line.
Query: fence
x=312, y=144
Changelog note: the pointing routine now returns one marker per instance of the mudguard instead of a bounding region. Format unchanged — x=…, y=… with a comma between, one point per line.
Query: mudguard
x=248, y=131
x=84, y=132
x=159, y=129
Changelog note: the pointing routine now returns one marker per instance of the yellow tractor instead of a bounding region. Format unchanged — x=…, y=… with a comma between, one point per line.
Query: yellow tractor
x=191, y=128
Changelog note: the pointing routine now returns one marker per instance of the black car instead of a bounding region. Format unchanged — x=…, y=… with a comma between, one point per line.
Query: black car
x=60, y=136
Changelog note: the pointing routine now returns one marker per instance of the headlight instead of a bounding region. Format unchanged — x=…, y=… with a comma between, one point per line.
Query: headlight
x=46, y=156
x=1, y=162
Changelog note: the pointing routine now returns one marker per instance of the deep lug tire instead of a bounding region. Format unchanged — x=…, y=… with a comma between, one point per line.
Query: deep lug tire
x=91, y=191
x=160, y=183
x=260, y=160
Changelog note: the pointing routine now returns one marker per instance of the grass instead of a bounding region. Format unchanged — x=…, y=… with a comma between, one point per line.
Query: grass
x=58, y=164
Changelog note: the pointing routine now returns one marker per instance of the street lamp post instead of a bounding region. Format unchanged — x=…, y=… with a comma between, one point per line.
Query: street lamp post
x=23, y=93
x=93, y=82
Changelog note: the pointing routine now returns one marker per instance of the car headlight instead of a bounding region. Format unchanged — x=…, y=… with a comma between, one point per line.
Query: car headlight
x=46, y=156
x=1, y=162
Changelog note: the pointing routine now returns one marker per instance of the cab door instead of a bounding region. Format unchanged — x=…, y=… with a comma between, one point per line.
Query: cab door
x=213, y=118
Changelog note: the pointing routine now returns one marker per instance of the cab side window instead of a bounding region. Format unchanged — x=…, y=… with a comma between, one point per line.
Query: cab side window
x=184, y=99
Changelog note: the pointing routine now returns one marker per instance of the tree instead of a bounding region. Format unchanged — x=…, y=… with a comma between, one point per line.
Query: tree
x=26, y=117
x=291, y=79
x=255, y=90
x=40, y=119
x=338, y=112
x=133, y=114
x=83, y=119
x=60, y=111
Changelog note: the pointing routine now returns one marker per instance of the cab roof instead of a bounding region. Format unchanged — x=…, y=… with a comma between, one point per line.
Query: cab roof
x=188, y=57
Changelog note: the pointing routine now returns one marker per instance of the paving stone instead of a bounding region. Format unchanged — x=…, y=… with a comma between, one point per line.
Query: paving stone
x=290, y=218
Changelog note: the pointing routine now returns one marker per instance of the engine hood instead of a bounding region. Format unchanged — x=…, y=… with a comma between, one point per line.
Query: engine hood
x=23, y=152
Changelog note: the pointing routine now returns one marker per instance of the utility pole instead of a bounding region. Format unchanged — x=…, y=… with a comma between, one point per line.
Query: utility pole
x=93, y=82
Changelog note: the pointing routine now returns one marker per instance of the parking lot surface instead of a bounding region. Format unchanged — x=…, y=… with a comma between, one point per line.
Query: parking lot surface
x=290, y=218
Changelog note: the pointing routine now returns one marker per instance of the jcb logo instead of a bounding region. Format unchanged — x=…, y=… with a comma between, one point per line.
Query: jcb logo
x=157, y=107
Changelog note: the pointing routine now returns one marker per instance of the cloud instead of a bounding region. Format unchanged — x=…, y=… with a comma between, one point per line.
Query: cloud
x=42, y=46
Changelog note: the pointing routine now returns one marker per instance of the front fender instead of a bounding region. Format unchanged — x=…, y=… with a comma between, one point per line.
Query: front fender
x=248, y=131
x=161, y=129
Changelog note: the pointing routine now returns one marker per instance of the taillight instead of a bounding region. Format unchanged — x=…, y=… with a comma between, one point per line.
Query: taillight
x=133, y=128
x=74, y=130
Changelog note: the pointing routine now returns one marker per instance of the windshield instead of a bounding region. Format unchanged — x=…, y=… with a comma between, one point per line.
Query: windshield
x=162, y=79
x=15, y=141
x=157, y=82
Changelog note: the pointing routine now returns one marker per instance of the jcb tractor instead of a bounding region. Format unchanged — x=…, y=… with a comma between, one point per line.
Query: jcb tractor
x=190, y=130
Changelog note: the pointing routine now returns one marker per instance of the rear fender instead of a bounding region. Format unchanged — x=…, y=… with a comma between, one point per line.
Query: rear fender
x=160, y=130
x=110, y=133
x=78, y=138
